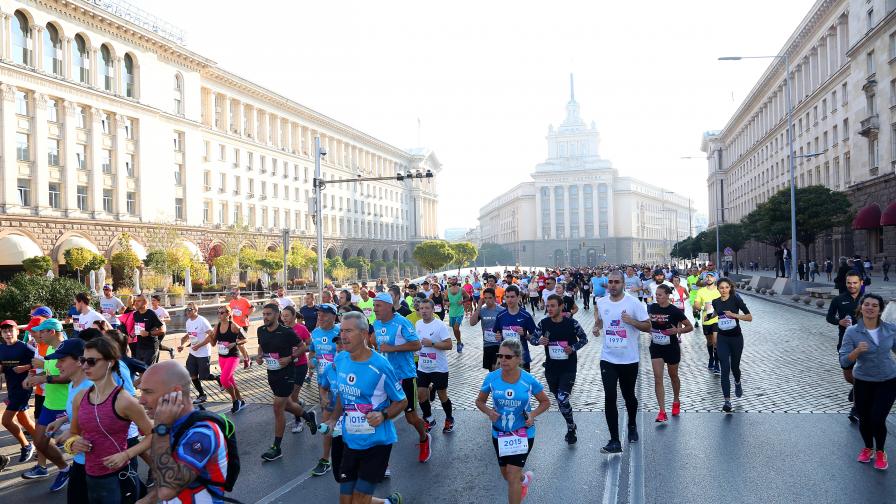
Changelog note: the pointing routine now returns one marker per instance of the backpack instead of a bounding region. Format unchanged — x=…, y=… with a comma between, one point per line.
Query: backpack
x=233, y=457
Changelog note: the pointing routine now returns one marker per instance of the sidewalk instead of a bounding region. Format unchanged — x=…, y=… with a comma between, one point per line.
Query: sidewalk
x=878, y=286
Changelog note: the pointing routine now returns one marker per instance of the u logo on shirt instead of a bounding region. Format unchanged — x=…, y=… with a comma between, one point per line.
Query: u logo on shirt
x=508, y=393
x=351, y=379
x=324, y=340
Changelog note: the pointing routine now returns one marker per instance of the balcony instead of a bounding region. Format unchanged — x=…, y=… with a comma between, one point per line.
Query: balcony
x=870, y=126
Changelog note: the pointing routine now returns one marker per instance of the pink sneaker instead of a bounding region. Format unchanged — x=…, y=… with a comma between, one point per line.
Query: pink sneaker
x=880, y=461
x=865, y=455
x=528, y=476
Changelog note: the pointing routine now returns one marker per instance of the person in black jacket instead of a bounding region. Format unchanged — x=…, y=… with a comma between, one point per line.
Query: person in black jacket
x=841, y=313
x=840, y=279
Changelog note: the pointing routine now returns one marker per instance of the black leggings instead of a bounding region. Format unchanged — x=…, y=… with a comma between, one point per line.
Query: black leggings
x=625, y=375
x=873, y=402
x=729, y=349
x=533, y=302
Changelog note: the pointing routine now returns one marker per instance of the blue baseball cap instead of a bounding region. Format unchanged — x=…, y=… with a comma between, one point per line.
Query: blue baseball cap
x=69, y=348
x=42, y=311
x=328, y=308
x=384, y=297
x=48, y=324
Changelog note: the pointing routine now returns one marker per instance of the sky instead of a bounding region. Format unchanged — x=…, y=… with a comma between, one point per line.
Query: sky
x=485, y=79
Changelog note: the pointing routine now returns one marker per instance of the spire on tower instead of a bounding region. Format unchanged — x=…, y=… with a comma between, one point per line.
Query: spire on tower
x=572, y=90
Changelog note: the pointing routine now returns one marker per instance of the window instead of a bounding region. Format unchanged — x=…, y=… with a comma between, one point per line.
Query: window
x=843, y=94
x=178, y=94
x=52, y=51
x=105, y=123
x=21, y=39
x=222, y=182
x=892, y=46
x=21, y=103
x=236, y=184
x=53, y=152
x=81, y=198
x=845, y=129
x=81, y=60
x=130, y=80
x=107, y=161
x=559, y=212
x=179, y=208
x=178, y=176
x=22, y=147
x=236, y=157
x=131, y=202
x=834, y=138
x=128, y=128
x=824, y=108
x=81, y=156
x=107, y=200
x=54, y=196
x=206, y=211
x=869, y=62
x=834, y=100
x=106, y=68
x=82, y=117
x=178, y=143
x=893, y=141
x=129, y=165
x=602, y=210
x=573, y=211
x=24, y=187
x=869, y=20
x=222, y=152
x=873, y=153
x=52, y=110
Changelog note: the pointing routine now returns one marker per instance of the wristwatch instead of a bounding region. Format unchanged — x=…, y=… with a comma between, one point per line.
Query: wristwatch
x=162, y=429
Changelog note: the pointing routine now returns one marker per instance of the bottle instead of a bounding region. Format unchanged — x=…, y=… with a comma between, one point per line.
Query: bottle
x=323, y=428
x=848, y=319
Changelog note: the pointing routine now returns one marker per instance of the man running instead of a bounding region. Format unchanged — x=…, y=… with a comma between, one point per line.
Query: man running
x=432, y=366
x=323, y=354
x=703, y=302
x=397, y=340
x=276, y=348
x=199, y=336
x=240, y=309
x=562, y=337
x=487, y=311
x=456, y=299
x=620, y=318
x=369, y=395
x=516, y=323
x=15, y=362
x=111, y=306
x=841, y=313
x=309, y=312
x=147, y=329
x=283, y=300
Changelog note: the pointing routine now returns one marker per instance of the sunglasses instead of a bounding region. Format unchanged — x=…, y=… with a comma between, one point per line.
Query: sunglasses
x=506, y=356
x=90, y=361
x=222, y=313
x=614, y=281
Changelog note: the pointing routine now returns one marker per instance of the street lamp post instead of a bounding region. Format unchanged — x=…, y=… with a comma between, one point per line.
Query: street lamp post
x=319, y=185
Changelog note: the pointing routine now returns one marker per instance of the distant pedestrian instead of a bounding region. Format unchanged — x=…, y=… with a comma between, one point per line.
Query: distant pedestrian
x=886, y=267
x=828, y=268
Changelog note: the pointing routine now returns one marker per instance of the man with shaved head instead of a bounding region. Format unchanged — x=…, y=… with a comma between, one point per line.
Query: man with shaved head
x=189, y=465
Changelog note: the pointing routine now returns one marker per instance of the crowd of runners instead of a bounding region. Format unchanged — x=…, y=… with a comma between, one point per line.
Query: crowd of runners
x=377, y=354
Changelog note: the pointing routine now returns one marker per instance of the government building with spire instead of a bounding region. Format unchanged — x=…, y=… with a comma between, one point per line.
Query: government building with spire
x=577, y=210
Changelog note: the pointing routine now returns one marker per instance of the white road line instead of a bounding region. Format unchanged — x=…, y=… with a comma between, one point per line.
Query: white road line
x=280, y=492
x=636, y=469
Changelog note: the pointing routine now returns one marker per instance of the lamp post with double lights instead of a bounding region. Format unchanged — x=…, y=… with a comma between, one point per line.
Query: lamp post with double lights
x=320, y=183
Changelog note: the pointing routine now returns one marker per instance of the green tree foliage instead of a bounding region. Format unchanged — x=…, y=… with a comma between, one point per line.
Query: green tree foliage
x=342, y=274
x=358, y=263
x=25, y=291
x=123, y=264
x=769, y=222
x=684, y=249
x=225, y=266
x=247, y=258
x=464, y=253
x=433, y=254
x=819, y=209
x=157, y=260
x=77, y=258
x=37, y=265
x=96, y=262
x=491, y=254
x=300, y=256
x=269, y=263
x=332, y=264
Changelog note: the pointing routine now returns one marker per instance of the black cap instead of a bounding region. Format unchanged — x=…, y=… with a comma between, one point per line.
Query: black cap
x=69, y=348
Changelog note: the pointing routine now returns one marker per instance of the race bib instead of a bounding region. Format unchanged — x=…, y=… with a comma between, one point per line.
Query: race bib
x=489, y=336
x=223, y=349
x=660, y=338
x=438, y=308
x=367, y=312
x=510, y=333
x=355, y=419
x=513, y=443
x=272, y=363
x=557, y=350
x=337, y=429
x=616, y=335
x=237, y=312
x=427, y=361
x=709, y=309
x=727, y=324
x=138, y=327
x=323, y=360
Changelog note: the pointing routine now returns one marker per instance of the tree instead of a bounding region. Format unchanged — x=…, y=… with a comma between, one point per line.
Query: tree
x=77, y=258
x=225, y=266
x=342, y=274
x=248, y=258
x=433, y=254
x=491, y=254
x=25, y=291
x=464, y=253
x=157, y=260
x=300, y=256
x=331, y=264
x=179, y=259
x=769, y=222
x=734, y=236
x=819, y=209
x=123, y=264
x=37, y=265
x=684, y=249
x=269, y=263
x=359, y=264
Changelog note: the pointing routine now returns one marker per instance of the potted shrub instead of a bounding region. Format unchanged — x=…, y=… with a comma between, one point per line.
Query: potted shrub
x=176, y=295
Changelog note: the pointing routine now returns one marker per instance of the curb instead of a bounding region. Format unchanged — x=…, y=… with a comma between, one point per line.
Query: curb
x=791, y=304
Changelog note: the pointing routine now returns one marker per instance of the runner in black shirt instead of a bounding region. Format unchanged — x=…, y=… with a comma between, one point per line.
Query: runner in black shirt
x=667, y=322
x=562, y=337
x=309, y=312
x=277, y=346
x=729, y=340
x=15, y=360
x=147, y=329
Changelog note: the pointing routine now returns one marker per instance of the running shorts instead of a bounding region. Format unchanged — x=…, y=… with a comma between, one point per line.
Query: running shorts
x=282, y=381
x=514, y=460
x=708, y=329
x=559, y=380
x=455, y=321
x=198, y=366
x=18, y=400
x=409, y=386
x=301, y=371
x=439, y=381
x=368, y=465
x=489, y=356
x=671, y=354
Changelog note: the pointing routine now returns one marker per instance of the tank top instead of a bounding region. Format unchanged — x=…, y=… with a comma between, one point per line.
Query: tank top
x=226, y=337
x=104, y=429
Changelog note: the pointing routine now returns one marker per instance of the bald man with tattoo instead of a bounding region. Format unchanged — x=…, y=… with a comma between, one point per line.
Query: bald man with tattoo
x=183, y=472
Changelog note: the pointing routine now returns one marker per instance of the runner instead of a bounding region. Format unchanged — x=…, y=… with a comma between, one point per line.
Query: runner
x=199, y=336
x=398, y=341
x=562, y=338
x=667, y=323
x=289, y=317
x=439, y=301
x=277, y=352
x=516, y=323
x=323, y=354
x=729, y=339
x=534, y=296
x=147, y=329
x=550, y=287
x=620, y=318
x=703, y=303
x=659, y=278
x=15, y=360
x=328, y=395
x=513, y=421
x=366, y=305
x=111, y=306
x=240, y=309
x=160, y=311
x=456, y=299
x=840, y=313
x=586, y=292
x=283, y=300
x=309, y=312
x=432, y=366
x=86, y=315
x=487, y=311
x=867, y=346
x=568, y=301
x=693, y=279
x=369, y=397
x=229, y=341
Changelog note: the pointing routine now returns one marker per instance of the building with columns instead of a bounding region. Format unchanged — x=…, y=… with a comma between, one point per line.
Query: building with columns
x=110, y=124
x=844, y=124
x=578, y=211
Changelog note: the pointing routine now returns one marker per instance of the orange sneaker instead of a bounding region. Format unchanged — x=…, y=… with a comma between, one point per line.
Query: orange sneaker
x=528, y=476
x=865, y=455
x=425, y=453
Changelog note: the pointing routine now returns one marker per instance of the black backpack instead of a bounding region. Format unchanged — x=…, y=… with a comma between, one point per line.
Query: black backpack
x=233, y=457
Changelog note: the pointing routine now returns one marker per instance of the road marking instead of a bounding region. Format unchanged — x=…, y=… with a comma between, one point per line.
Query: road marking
x=611, y=482
x=636, y=469
x=280, y=492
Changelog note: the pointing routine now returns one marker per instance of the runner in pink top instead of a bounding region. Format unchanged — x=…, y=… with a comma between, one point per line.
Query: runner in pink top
x=290, y=320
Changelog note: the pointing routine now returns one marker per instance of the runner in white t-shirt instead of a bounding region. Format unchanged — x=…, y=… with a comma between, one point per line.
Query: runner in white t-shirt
x=432, y=366
x=86, y=315
x=619, y=318
x=199, y=337
x=110, y=306
x=282, y=300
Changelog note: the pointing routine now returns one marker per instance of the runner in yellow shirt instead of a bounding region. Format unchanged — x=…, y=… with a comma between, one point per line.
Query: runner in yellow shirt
x=703, y=302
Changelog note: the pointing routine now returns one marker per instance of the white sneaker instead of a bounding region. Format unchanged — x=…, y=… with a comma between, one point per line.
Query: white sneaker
x=298, y=427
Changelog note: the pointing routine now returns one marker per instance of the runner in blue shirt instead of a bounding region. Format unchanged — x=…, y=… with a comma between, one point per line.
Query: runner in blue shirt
x=599, y=286
x=329, y=393
x=516, y=323
x=397, y=340
x=369, y=396
x=513, y=421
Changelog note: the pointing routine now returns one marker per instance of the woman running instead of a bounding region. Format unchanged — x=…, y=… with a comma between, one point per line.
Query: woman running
x=290, y=320
x=101, y=417
x=731, y=310
x=868, y=344
x=513, y=422
x=667, y=323
x=228, y=339
x=438, y=301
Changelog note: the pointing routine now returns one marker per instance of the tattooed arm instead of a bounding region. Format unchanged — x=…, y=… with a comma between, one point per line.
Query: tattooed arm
x=170, y=475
